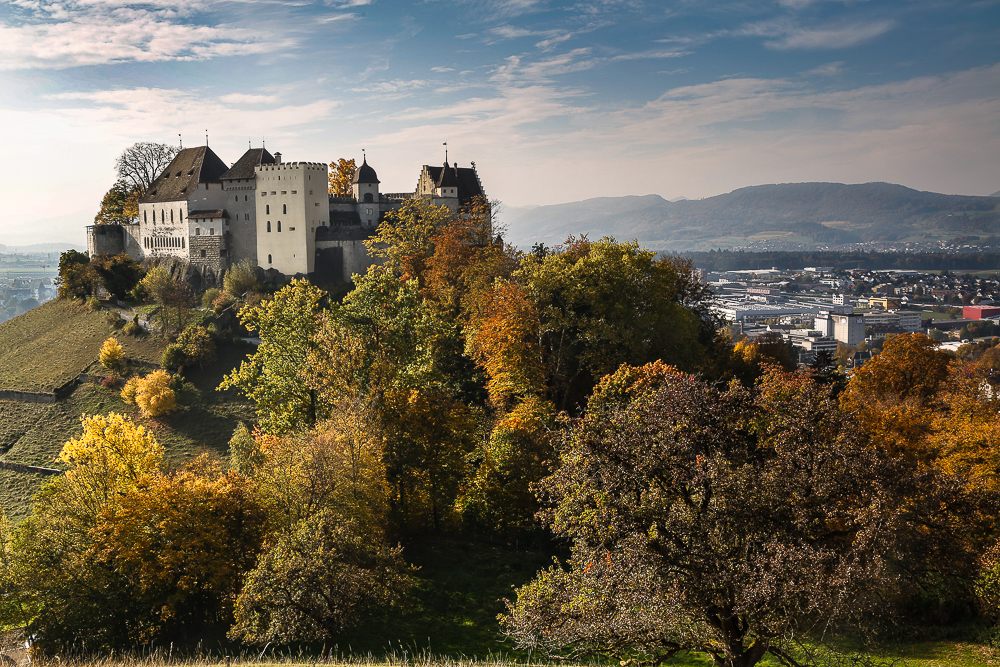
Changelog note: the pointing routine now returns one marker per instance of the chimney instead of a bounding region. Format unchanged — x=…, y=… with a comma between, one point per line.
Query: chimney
x=277, y=158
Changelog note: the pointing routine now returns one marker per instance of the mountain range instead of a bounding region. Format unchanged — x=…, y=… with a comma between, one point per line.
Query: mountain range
x=813, y=214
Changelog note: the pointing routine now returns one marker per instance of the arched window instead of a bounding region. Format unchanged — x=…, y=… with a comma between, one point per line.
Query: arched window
x=368, y=198
x=279, y=225
x=245, y=198
x=284, y=209
x=171, y=215
x=268, y=225
x=268, y=259
x=145, y=218
x=267, y=209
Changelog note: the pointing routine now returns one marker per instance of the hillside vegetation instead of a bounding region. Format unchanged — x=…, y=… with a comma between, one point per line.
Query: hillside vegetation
x=52, y=344
x=825, y=213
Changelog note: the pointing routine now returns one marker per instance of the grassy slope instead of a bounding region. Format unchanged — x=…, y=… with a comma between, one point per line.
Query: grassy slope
x=57, y=341
x=33, y=433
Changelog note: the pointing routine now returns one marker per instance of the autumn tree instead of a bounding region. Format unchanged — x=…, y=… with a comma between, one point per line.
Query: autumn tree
x=342, y=173
x=152, y=394
x=112, y=355
x=894, y=395
x=404, y=238
x=274, y=376
x=140, y=164
x=120, y=205
x=319, y=578
x=722, y=521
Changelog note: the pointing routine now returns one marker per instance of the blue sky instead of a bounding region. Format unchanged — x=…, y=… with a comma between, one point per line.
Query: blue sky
x=555, y=101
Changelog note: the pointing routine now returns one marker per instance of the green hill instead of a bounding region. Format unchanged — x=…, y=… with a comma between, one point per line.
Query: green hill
x=49, y=346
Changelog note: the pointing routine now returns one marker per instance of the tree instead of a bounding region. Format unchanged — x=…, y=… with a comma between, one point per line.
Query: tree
x=321, y=577
x=119, y=273
x=77, y=278
x=240, y=279
x=722, y=521
x=112, y=355
x=274, y=376
x=895, y=394
x=140, y=164
x=404, y=238
x=120, y=205
x=342, y=177
x=198, y=346
x=152, y=394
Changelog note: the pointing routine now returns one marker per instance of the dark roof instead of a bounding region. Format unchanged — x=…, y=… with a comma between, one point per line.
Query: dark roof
x=217, y=213
x=245, y=166
x=468, y=182
x=365, y=174
x=448, y=177
x=191, y=167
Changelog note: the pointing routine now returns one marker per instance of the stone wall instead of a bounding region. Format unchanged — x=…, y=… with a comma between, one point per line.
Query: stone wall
x=108, y=239
x=208, y=252
x=341, y=252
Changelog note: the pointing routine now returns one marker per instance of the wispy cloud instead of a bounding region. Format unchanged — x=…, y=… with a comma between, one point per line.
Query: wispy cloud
x=56, y=35
x=829, y=69
x=831, y=37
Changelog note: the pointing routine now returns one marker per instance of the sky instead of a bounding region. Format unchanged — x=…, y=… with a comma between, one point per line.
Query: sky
x=554, y=101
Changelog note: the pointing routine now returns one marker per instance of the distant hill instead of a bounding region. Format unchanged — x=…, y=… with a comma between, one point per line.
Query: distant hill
x=38, y=247
x=811, y=213
x=996, y=194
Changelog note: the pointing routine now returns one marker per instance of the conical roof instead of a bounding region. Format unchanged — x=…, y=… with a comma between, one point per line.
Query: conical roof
x=365, y=174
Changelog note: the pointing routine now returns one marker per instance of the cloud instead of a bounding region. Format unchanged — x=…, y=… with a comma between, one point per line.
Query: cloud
x=442, y=70
x=832, y=37
x=829, y=69
x=244, y=98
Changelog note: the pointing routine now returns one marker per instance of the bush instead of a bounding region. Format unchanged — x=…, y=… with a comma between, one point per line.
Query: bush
x=154, y=396
x=173, y=357
x=113, y=319
x=93, y=304
x=119, y=274
x=110, y=381
x=186, y=393
x=112, y=355
x=130, y=389
x=210, y=296
x=199, y=348
x=240, y=278
x=221, y=302
x=132, y=328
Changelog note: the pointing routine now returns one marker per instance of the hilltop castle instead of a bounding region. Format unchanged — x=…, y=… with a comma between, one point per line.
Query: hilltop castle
x=277, y=214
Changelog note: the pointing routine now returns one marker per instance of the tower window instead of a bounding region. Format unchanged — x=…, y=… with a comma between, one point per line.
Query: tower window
x=279, y=225
x=202, y=253
x=268, y=225
x=144, y=218
x=267, y=209
x=268, y=259
x=211, y=231
x=197, y=231
x=171, y=215
x=284, y=209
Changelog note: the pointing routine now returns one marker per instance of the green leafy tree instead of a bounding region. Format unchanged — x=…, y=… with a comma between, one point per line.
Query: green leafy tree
x=240, y=279
x=199, y=348
x=274, y=377
x=119, y=273
x=77, y=278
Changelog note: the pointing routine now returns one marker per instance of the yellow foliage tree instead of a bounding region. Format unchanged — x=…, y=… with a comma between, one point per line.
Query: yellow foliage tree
x=108, y=458
x=342, y=176
x=152, y=394
x=112, y=355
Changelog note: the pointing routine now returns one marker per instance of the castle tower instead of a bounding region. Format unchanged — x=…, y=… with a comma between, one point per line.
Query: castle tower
x=365, y=188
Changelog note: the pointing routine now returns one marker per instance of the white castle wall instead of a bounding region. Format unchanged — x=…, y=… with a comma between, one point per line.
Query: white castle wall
x=292, y=198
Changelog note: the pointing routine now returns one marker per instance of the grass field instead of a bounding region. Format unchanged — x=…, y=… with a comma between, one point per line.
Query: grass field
x=33, y=433
x=51, y=344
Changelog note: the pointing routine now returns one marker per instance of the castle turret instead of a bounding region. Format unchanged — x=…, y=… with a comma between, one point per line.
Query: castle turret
x=365, y=188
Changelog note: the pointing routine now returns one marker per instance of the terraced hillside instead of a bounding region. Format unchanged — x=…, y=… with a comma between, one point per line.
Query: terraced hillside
x=56, y=342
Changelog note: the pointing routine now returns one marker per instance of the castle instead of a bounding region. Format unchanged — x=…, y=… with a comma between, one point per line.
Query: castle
x=276, y=214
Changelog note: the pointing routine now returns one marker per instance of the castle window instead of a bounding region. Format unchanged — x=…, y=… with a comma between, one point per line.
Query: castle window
x=279, y=225
x=211, y=231
x=202, y=253
x=268, y=225
x=295, y=192
x=291, y=229
x=197, y=231
x=245, y=198
x=144, y=218
x=183, y=243
x=284, y=209
x=268, y=259
x=267, y=209
x=284, y=192
x=263, y=193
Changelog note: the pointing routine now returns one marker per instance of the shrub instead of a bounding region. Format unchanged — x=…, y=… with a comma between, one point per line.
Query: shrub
x=113, y=319
x=240, y=278
x=93, y=304
x=209, y=297
x=154, y=396
x=130, y=390
x=132, y=328
x=119, y=274
x=198, y=345
x=173, y=357
x=112, y=355
x=185, y=392
x=110, y=381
